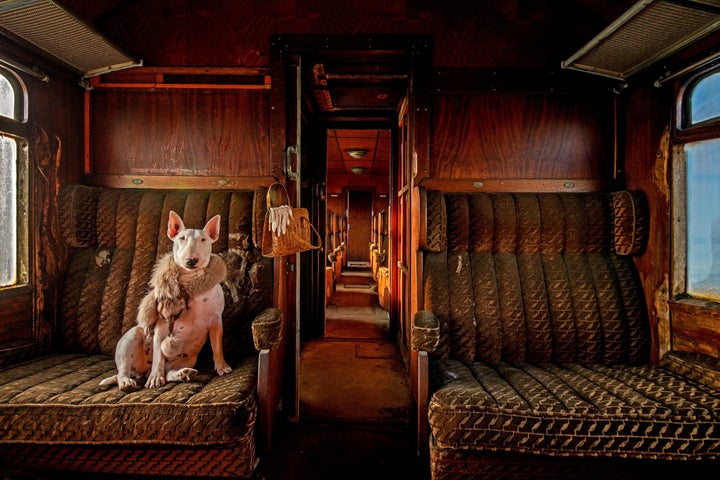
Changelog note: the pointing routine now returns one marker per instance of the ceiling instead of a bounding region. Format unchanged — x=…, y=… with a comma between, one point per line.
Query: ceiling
x=377, y=142
x=352, y=86
x=350, y=90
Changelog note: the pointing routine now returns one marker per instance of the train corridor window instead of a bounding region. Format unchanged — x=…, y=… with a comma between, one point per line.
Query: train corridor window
x=698, y=196
x=13, y=184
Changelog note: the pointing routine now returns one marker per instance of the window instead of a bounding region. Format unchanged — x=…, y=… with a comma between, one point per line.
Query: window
x=704, y=100
x=697, y=190
x=13, y=184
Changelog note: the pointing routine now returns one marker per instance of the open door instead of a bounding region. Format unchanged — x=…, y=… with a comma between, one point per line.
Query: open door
x=286, y=131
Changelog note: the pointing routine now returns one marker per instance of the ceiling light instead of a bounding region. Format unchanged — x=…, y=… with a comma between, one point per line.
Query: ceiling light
x=357, y=152
x=358, y=170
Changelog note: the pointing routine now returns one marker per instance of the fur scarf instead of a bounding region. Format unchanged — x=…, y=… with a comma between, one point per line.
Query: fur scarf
x=172, y=287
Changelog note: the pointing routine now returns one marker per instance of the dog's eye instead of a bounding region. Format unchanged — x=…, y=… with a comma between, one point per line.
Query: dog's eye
x=182, y=238
x=203, y=239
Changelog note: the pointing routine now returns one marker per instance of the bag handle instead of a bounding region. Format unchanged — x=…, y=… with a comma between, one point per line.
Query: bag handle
x=277, y=196
x=317, y=235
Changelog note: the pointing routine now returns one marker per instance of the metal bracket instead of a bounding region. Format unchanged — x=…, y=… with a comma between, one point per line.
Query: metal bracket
x=289, y=152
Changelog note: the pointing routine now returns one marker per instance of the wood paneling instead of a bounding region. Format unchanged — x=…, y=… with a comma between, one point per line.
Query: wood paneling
x=695, y=326
x=359, y=224
x=467, y=33
x=516, y=136
x=648, y=111
x=188, y=132
x=55, y=126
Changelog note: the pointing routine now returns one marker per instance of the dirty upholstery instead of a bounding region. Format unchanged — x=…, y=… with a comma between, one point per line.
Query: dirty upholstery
x=54, y=414
x=537, y=336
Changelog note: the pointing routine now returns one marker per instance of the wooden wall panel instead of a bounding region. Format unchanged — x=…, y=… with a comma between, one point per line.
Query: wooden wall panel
x=55, y=120
x=188, y=132
x=649, y=111
x=468, y=33
x=529, y=136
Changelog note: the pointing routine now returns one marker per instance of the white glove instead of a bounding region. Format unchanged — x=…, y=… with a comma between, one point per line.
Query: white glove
x=280, y=219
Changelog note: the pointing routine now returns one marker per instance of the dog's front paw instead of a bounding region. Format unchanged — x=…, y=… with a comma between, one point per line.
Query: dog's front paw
x=187, y=374
x=222, y=368
x=126, y=384
x=155, y=380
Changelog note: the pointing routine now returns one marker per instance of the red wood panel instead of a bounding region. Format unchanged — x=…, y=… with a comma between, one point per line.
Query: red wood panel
x=359, y=224
x=515, y=136
x=189, y=132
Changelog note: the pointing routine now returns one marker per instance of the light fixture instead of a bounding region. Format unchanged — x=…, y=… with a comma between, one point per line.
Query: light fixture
x=357, y=152
x=358, y=170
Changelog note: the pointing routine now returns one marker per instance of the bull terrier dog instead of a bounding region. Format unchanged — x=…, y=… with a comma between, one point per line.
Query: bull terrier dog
x=183, y=308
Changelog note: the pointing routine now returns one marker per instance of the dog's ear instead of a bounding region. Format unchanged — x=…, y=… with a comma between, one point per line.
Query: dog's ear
x=212, y=228
x=175, y=224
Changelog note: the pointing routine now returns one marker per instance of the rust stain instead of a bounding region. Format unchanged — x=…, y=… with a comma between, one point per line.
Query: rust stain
x=662, y=314
x=660, y=171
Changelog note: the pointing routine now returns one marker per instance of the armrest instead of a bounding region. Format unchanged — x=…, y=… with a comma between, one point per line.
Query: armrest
x=267, y=336
x=267, y=329
x=425, y=333
x=425, y=337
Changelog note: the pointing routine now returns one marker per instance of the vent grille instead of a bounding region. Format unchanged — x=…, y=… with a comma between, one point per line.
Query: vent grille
x=54, y=30
x=649, y=31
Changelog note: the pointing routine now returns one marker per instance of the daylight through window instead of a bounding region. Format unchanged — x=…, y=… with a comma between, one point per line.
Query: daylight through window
x=702, y=188
x=13, y=188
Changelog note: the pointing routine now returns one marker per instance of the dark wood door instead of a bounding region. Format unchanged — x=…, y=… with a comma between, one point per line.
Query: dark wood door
x=359, y=225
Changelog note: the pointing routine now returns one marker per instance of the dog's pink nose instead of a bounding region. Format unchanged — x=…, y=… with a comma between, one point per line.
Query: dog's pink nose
x=191, y=262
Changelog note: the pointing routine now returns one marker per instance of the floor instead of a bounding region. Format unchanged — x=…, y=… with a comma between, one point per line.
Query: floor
x=356, y=416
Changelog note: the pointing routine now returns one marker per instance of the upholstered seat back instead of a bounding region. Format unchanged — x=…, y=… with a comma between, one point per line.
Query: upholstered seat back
x=115, y=236
x=535, y=277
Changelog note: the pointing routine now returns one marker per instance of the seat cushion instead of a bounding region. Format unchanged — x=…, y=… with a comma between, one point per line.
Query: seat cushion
x=57, y=399
x=570, y=409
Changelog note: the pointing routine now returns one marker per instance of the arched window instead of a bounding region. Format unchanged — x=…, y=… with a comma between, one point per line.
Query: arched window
x=7, y=97
x=13, y=183
x=696, y=189
x=703, y=100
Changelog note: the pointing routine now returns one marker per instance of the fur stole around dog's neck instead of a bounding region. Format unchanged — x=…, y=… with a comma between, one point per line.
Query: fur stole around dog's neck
x=172, y=287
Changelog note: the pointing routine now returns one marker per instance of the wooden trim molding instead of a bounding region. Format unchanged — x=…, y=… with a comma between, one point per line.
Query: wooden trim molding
x=181, y=182
x=195, y=78
x=516, y=185
x=695, y=326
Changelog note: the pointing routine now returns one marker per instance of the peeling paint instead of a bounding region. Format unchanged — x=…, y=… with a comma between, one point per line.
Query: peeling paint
x=660, y=171
x=662, y=313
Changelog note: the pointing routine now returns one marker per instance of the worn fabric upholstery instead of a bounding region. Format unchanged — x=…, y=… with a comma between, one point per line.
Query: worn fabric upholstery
x=543, y=345
x=56, y=403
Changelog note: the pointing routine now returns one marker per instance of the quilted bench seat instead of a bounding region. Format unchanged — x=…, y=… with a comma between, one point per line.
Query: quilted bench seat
x=54, y=415
x=534, y=337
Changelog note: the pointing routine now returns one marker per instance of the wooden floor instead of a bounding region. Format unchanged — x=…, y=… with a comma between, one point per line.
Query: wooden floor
x=356, y=410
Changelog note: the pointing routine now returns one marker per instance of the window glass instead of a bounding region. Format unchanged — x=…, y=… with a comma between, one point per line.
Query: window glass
x=705, y=99
x=7, y=98
x=703, y=218
x=8, y=211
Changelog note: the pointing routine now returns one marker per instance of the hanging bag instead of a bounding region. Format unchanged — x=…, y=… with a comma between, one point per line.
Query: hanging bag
x=286, y=230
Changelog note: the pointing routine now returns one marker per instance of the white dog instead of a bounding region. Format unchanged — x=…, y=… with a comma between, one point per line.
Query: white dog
x=176, y=317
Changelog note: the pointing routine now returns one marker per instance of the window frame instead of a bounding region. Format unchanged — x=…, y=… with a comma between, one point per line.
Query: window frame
x=684, y=134
x=18, y=129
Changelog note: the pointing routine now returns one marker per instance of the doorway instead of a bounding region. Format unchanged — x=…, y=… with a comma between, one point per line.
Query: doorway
x=324, y=90
x=342, y=103
x=358, y=184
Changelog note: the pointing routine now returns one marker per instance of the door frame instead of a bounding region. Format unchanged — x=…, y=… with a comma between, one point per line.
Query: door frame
x=286, y=51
